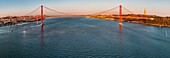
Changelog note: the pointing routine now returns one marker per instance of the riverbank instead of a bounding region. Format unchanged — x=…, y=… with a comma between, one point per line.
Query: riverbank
x=152, y=20
x=151, y=24
x=12, y=20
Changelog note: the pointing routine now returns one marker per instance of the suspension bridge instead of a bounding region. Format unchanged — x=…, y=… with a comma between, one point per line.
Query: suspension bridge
x=120, y=14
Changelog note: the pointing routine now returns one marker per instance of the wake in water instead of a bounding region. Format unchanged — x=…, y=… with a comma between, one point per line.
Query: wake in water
x=3, y=31
x=166, y=33
x=22, y=24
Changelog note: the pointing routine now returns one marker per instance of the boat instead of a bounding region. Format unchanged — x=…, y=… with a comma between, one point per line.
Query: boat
x=41, y=24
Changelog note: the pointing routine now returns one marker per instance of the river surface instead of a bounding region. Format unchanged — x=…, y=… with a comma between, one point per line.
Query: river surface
x=78, y=37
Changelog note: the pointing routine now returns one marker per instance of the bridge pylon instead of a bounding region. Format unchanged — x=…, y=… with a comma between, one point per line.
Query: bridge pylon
x=42, y=14
x=120, y=15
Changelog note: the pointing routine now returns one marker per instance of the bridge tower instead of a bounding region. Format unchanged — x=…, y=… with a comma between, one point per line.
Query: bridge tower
x=42, y=15
x=120, y=15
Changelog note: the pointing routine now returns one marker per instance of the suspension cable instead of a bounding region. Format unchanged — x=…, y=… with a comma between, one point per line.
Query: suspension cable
x=128, y=10
x=104, y=11
x=32, y=11
x=57, y=11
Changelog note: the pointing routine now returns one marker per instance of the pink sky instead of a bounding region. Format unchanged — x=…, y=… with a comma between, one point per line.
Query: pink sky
x=21, y=7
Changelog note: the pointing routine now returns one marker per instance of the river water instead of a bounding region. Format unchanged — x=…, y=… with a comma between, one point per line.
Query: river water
x=78, y=37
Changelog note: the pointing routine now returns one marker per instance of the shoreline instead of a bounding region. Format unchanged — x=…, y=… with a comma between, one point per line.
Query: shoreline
x=18, y=20
x=149, y=24
x=136, y=22
x=150, y=20
x=111, y=19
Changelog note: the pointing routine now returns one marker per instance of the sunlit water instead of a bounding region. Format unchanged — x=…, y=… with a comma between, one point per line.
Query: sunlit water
x=84, y=38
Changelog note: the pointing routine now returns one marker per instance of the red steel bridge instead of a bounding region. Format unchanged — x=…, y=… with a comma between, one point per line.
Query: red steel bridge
x=119, y=15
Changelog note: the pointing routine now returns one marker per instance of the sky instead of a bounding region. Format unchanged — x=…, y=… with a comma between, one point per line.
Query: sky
x=22, y=7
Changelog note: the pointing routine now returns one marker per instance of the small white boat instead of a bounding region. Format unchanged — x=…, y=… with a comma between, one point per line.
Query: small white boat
x=41, y=24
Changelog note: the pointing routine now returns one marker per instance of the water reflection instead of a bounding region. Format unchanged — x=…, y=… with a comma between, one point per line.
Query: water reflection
x=120, y=41
x=42, y=42
x=120, y=34
x=120, y=28
x=42, y=36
